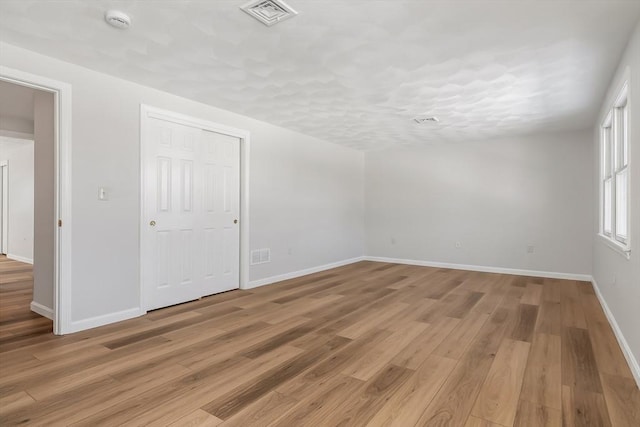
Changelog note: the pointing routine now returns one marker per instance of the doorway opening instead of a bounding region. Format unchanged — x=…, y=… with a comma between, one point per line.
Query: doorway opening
x=35, y=114
x=27, y=158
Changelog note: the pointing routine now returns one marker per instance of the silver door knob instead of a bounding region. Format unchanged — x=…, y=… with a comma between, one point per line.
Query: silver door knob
x=152, y=223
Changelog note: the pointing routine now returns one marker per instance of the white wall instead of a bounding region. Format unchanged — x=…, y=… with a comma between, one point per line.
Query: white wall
x=307, y=203
x=298, y=184
x=13, y=124
x=618, y=278
x=19, y=154
x=494, y=197
x=44, y=218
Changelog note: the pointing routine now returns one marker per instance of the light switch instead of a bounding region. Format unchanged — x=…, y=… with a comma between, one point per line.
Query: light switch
x=102, y=194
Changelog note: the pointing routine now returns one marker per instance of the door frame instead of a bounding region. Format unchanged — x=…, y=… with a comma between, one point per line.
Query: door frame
x=147, y=112
x=62, y=189
x=4, y=207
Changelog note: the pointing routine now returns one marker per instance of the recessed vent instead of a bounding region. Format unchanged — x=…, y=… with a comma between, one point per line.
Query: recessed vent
x=260, y=256
x=269, y=12
x=422, y=120
x=117, y=19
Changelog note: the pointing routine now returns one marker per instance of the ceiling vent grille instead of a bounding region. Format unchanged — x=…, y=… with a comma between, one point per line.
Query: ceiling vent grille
x=117, y=19
x=423, y=120
x=269, y=12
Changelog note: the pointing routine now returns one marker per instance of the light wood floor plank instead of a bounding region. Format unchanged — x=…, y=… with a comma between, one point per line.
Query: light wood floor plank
x=453, y=403
x=543, y=376
x=534, y=415
x=405, y=407
x=584, y=408
x=479, y=422
x=498, y=398
x=623, y=399
x=316, y=406
x=262, y=412
x=197, y=418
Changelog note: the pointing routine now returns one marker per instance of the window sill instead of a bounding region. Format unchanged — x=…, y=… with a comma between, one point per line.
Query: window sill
x=616, y=247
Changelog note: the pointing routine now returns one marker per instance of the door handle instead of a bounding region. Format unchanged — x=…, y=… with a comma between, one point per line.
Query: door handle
x=235, y=221
x=152, y=223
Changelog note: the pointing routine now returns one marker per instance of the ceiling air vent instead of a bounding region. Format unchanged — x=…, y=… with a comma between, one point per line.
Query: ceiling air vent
x=423, y=120
x=117, y=19
x=269, y=12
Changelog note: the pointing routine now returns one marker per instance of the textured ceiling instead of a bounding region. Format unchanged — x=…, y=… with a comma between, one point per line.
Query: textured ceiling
x=355, y=72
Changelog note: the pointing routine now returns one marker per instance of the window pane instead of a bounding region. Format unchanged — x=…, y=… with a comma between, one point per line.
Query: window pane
x=606, y=214
x=606, y=152
x=622, y=231
x=617, y=138
x=625, y=136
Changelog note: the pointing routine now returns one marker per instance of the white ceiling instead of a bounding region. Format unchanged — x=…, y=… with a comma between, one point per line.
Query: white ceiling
x=355, y=72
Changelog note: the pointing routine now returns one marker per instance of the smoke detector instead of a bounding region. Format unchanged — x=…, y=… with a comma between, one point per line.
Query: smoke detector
x=269, y=12
x=117, y=19
x=423, y=120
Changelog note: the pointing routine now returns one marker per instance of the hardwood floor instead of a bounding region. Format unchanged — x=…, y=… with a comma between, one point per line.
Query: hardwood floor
x=18, y=324
x=366, y=344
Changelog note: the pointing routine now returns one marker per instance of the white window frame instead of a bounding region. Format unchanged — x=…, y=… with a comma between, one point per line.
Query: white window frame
x=615, y=145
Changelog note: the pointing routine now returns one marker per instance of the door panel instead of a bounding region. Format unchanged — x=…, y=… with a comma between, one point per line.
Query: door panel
x=222, y=207
x=190, y=242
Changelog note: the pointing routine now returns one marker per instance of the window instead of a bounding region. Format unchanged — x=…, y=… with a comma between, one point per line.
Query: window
x=614, y=173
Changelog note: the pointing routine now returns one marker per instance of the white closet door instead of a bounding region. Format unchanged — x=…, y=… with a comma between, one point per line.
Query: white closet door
x=190, y=242
x=221, y=211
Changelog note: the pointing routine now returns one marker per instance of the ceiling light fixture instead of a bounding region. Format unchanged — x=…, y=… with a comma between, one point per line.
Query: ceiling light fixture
x=117, y=19
x=269, y=12
x=422, y=120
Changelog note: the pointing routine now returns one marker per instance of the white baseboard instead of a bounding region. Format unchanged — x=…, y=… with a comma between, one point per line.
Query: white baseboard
x=42, y=310
x=20, y=258
x=94, y=322
x=484, y=269
x=624, y=345
x=535, y=273
x=279, y=278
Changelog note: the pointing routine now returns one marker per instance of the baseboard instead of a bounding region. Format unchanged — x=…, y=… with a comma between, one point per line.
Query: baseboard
x=20, y=258
x=517, y=272
x=94, y=322
x=624, y=345
x=42, y=310
x=484, y=269
x=279, y=278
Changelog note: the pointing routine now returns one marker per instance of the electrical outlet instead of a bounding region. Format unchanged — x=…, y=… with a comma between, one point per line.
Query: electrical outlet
x=103, y=194
x=393, y=240
x=531, y=249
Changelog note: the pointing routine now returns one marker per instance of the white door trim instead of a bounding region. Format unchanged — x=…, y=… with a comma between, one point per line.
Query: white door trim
x=147, y=111
x=4, y=205
x=62, y=188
